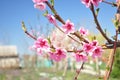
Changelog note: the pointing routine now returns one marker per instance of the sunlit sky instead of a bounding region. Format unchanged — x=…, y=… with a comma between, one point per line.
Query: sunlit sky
x=12, y=12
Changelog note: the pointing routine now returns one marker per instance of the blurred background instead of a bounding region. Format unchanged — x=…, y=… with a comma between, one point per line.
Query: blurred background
x=18, y=62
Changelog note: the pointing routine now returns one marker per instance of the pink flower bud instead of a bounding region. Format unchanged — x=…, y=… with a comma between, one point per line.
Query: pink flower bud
x=51, y=19
x=39, y=1
x=40, y=6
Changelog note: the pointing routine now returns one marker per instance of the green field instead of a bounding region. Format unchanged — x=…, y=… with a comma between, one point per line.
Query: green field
x=43, y=74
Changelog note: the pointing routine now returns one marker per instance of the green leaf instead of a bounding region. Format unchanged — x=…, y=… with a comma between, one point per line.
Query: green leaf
x=93, y=37
x=52, y=2
x=45, y=14
x=54, y=11
x=52, y=50
x=100, y=78
x=108, y=68
x=23, y=26
x=97, y=11
x=116, y=23
x=105, y=30
x=49, y=41
x=113, y=37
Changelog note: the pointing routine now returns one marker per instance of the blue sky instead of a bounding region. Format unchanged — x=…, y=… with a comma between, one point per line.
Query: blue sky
x=12, y=12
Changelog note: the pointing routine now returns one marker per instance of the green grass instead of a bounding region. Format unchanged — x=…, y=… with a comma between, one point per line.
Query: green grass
x=33, y=74
x=2, y=77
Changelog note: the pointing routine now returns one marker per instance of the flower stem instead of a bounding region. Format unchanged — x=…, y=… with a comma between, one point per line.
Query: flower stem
x=78, y=71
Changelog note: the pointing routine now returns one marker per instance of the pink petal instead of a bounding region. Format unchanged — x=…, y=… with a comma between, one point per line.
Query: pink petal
x=40, y=6
x=38, y=1
x=68, y=27
x=51, y=19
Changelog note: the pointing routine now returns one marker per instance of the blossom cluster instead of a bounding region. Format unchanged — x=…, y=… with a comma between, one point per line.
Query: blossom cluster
x=42, y=45
x=57, y=53
x=93, y=49
x=89, y=49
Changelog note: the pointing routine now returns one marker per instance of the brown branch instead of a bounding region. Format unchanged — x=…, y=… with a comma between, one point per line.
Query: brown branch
x=59, y=19
x=113, y=4
x=96, y=21
x=68, y=35
x=112, y=55
x=33, y=37
x=80, y=37
x=26, y=32
x=111, y=60
x=78, y=71
x=98, y=25
x=55, y=13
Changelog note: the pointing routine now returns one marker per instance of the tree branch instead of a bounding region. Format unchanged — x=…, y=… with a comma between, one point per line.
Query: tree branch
x=80, y=37
x=68, y=35
x=98, y=25
x=113, y=4
x=111, y=60
x=55, y=13
x=78, y=71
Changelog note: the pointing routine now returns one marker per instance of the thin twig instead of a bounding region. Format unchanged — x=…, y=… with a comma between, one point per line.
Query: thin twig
x=59, y=19
x=98, y=25
x=113, y=4
x=78, y=71
x=68, y=35
x=33, y=37
x=55, y=13
x=80, y=37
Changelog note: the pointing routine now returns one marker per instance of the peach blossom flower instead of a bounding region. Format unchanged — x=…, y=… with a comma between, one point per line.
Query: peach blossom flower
x=58, y=55
x=68, y=26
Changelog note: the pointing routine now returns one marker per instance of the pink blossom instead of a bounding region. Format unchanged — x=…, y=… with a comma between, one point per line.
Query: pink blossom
x=58, y=55
x=96, y=2
x=41, y=43
x=87, y=47
x=68, y=26
x=117, y=1
x=97, y=52
x=40, y=6
x=51, y=19
x=94, y=43
x=53, y=36
x=83, y=31
x=38, y=1
x=32, y=47
x=87, y=2
x=53, y=56
x=39, y=51
x=80, y=57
